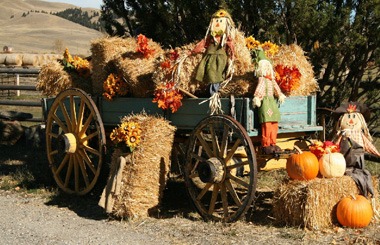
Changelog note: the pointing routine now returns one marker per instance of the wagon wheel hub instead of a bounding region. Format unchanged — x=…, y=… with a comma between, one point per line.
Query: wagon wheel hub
x=211, y=171
x=67, y=143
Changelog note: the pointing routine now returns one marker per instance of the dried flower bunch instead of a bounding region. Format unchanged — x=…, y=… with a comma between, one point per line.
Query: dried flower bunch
x=320, y=148
x=288, y=78
x=168, y=97
x=128, y=132
x=142, y=46
x=82, y=66
x=114, y=85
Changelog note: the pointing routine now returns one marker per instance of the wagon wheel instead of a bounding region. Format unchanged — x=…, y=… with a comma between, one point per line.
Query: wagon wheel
x=221, y=169
x=75, y=141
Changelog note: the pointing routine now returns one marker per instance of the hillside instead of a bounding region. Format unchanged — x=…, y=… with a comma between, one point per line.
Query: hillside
x=41, y=32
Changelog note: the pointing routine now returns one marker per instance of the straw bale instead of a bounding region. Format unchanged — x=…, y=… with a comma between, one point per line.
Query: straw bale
x=30, y=60
x=242, y=83
x=103, y=51
x=293, y=55
x=137, y=70
x=144, y=175
x=13, y=60
x=312, y=204
x=53, y=79
x=2, y=58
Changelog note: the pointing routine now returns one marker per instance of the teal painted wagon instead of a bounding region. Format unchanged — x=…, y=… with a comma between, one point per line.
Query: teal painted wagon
x=217, y=153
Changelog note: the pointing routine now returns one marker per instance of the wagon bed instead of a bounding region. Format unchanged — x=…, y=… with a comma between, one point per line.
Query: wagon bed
x=219, y=160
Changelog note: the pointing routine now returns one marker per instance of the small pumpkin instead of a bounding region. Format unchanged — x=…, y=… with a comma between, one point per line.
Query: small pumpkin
x=302, y=165
x=354, y=211
x=332, y=165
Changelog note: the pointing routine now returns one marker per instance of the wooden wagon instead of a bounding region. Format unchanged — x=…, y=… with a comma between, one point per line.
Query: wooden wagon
x=217, y=153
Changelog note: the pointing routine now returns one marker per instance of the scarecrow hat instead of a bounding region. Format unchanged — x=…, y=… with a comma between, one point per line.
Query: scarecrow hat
x=350, y=107
x=223, y=13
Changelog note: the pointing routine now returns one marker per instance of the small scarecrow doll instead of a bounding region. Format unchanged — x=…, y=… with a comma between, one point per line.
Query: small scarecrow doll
x=354, y=139
x=216, y=66
x=264, y=98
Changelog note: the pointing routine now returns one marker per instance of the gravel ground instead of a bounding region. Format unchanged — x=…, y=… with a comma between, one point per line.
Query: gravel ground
x=52, y=217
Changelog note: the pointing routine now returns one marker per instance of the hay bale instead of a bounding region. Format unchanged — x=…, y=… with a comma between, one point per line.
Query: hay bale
x=293, y=55
x=242, y=83
x=53, y=79
x=13, y=60
x=137, y=70
x=144, y=172
x=103, y=51
x=312, y=204
x=30, y=60
x=2, y=58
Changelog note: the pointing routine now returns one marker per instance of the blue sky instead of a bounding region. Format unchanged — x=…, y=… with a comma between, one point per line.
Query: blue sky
x=81, y=3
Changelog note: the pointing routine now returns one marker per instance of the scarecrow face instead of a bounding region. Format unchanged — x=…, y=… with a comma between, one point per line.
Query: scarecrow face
x=219, y=25
x=351, y=121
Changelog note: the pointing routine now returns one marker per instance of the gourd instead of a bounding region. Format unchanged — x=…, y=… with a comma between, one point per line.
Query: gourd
x=332, y=165
x=354, y=211
x=302, y=165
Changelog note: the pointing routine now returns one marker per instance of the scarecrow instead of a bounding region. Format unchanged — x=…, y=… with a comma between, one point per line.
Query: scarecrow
x=216, y=66
x=269, y=113
x=354, y=139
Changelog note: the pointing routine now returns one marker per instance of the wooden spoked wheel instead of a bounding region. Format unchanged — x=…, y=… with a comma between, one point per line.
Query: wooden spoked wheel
x=75, y=141
x=221, y=169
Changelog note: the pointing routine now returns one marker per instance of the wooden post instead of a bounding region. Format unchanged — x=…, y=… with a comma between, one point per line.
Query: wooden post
x=18, y=84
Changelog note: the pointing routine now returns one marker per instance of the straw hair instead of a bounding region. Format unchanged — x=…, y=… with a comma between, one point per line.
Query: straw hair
x=144, y=175
x=312, y=204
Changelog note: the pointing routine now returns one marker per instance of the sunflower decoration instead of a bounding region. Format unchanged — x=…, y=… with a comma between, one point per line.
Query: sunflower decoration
x=142, y=46
x=128, y=132
x=114, y=85
x=320, y=148
x=251, y=43
x=287, y=78
x=168, y=97
x=270, y=49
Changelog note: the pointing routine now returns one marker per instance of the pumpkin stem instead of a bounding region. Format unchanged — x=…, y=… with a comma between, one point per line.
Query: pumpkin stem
x=299, y=151
x=353, y=196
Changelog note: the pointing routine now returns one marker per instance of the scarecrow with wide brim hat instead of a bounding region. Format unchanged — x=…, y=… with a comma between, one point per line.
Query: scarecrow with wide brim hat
x=264, y=98
x=354, y=140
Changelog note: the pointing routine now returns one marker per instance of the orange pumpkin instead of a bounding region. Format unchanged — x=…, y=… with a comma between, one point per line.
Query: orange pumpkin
x=302, y=165
x=354, y=211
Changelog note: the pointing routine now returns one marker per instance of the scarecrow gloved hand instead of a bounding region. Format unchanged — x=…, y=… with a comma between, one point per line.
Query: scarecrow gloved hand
x=281, y=98
x=256, y=102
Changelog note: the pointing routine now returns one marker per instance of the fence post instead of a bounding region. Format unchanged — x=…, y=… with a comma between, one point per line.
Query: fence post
x=18, y=84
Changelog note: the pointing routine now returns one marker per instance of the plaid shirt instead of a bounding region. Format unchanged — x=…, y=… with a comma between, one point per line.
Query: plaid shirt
x=272, y=88
x=361, y=139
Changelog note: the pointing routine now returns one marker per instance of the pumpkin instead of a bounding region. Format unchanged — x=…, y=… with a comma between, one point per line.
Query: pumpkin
x=332, y=165
x=354, y=211
x=302, y=165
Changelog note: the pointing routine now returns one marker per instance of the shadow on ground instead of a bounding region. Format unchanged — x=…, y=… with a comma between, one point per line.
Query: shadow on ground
x=22, y=159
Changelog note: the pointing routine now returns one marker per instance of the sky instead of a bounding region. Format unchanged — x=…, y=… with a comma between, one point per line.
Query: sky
x=81, y=3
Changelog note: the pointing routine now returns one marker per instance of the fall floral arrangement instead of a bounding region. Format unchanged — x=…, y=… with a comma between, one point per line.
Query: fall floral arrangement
x=76, y=63
x=114, y=85
x=288, y=78
x=127, y=132
x=166, y=95
x=142, y=46
x=320, y=148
